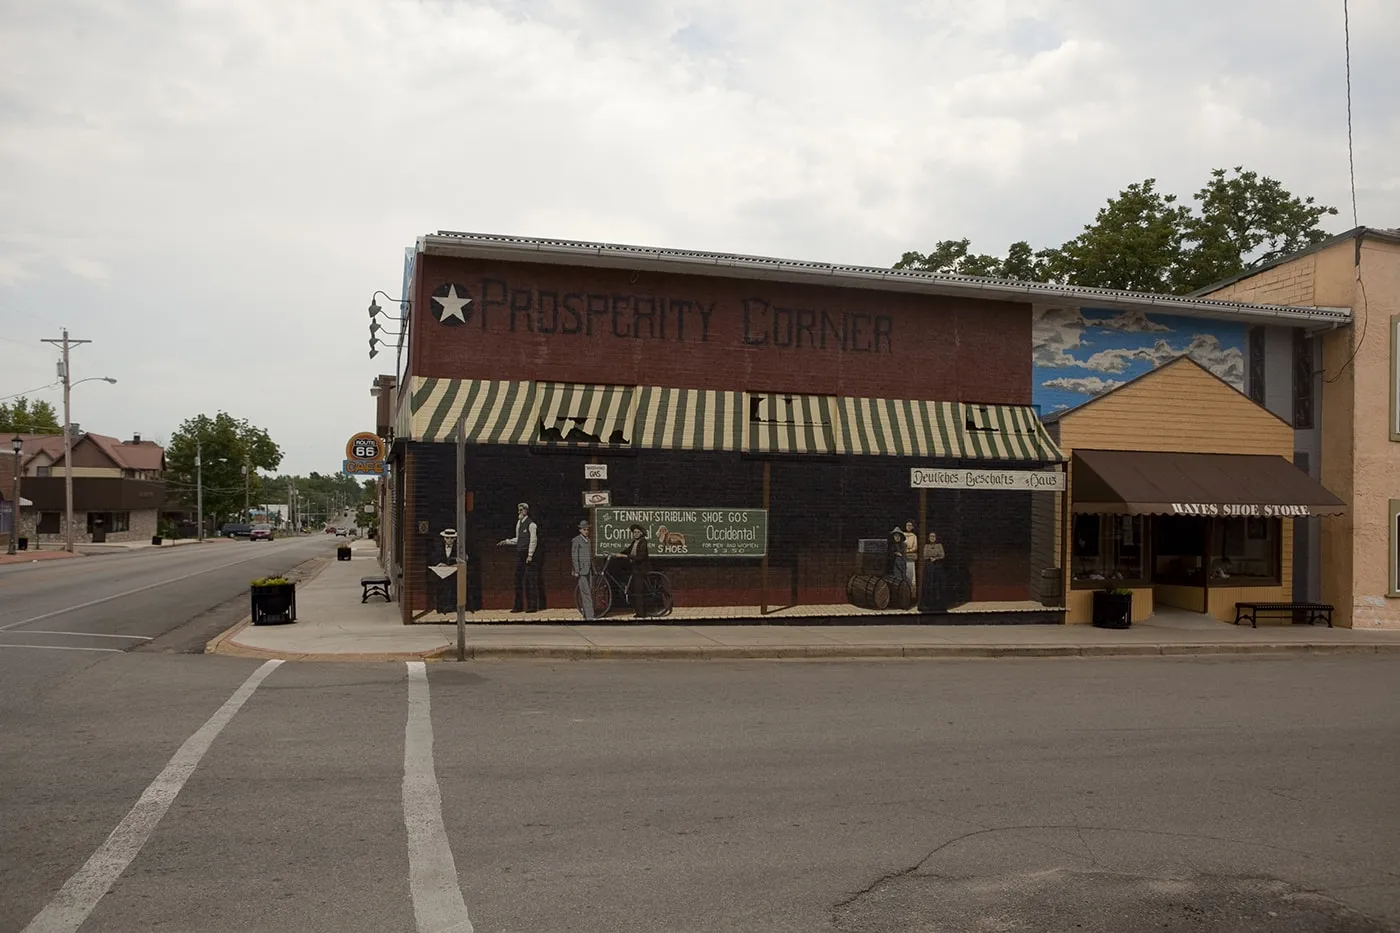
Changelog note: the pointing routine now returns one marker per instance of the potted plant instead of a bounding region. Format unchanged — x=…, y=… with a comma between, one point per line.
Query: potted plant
x=274, y=599
x=1113, y=608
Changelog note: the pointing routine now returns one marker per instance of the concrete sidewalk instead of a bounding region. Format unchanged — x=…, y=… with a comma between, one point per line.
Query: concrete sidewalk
x=333, y=625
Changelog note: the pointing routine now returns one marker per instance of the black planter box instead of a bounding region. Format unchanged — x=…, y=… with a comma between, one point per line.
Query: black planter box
x=342, y=552
x=274, y=603
x=155, y=539
x=1113, y=610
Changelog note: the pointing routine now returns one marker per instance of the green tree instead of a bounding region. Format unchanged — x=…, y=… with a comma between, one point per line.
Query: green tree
x=227, y=444
x=1146, y=240
x=1135, y=243
x=23, y=417
x=952, y=257
x=1245, y=221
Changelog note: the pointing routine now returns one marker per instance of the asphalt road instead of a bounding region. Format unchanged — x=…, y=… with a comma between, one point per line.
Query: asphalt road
x=1099, y=795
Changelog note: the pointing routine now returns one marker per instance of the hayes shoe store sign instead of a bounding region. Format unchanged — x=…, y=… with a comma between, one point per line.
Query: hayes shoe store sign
x=1238, y=510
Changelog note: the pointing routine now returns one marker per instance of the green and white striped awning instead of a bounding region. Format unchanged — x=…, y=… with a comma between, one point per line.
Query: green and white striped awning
x=897, y=428
x=780, y=423
x=496, y=412
x=657, y=418
x=585, y=415
x=1006, y=432
x=689, y=419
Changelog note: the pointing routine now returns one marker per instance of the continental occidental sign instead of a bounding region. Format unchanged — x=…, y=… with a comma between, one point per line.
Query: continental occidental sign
x=997, y=480
x=685, y=532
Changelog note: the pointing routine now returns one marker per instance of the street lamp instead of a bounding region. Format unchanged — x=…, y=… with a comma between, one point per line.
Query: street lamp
x=199, y=483
x=68, y=453
x=17, y=445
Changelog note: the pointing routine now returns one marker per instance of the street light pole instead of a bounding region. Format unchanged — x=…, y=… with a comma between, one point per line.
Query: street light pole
x=17, y=445
x=246, y=481
x=66, y=343
x=199, y=485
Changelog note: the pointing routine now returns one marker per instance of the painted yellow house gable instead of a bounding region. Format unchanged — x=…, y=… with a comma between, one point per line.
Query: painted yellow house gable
x=1179, y=406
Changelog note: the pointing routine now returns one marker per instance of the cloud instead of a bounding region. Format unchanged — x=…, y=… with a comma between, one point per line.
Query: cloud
x=237, y=178
x=1206, y=349
x=1132, y=322
x=1085, y=385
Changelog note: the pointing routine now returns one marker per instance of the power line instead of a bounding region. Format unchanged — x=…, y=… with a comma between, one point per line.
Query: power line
x=1355, y=218
x=6, y=398
x=1351, y=155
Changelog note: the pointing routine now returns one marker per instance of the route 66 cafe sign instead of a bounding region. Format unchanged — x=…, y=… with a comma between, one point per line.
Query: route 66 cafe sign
x=364, y=455
x=993, y=480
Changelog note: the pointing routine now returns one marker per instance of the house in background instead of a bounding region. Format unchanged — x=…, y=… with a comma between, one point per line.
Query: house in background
x=118, y=487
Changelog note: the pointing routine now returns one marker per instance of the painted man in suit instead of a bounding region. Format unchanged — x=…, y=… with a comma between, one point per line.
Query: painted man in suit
x=526, y=541
x=581, y=556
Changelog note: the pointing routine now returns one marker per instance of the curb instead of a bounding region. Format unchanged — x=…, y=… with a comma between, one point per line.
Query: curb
x=860, y=652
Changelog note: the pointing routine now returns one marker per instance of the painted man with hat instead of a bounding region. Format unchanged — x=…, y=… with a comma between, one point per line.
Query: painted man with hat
x=581, y=555
x=527, y=575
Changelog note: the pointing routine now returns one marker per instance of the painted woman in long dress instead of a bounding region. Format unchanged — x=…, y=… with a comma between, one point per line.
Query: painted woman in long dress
x=933, y=594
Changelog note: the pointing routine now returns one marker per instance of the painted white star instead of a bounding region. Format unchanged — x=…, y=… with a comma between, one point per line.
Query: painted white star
x=452, y=305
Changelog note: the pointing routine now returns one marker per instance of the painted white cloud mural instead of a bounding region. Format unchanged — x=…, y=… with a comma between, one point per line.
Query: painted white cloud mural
x=1124, y=345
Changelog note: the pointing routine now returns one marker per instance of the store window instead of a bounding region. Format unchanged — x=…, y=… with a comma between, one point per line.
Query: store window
x=111, y=522
x=49, y=524
x=5, y=521
x=1109, y=548
x=1242, y=551
x=1245, y=551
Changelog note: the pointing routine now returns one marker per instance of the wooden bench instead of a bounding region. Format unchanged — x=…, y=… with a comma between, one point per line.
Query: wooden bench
x=1312, y=611
x=375, y=586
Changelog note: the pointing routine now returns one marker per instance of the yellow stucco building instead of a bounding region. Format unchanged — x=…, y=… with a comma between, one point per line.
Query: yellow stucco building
x=1359, y=418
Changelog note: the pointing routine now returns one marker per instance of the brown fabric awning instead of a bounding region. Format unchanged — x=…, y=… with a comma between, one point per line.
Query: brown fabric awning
x=1131, y=482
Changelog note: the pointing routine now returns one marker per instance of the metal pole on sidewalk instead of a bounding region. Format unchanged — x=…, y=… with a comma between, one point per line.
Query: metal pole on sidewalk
x=199, y=486
x=462, y=536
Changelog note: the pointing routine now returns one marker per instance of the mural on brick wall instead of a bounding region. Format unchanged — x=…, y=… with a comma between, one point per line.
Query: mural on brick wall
x=1080, y=353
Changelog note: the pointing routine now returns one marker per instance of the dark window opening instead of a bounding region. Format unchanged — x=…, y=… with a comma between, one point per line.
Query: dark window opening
x=1302, y=380
x=50, y=523
x=1109, y=550
x=110, y=522
x=1256, y=365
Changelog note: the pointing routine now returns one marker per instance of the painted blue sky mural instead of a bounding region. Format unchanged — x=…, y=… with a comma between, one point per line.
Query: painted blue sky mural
x=1081, y=353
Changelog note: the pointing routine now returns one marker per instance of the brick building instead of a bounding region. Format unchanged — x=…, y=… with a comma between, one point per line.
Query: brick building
x=719, y=390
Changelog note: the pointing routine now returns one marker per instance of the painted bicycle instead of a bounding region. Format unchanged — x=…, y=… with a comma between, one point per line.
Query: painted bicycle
x=613, y=585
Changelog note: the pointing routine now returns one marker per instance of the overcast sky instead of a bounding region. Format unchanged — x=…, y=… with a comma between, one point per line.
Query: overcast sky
x=211, y=191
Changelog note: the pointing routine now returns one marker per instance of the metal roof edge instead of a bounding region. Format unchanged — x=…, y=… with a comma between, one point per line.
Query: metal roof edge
x=695, y=262
x=1375, y=233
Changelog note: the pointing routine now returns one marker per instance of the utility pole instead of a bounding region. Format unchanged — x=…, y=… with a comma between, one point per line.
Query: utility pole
x=66, y=343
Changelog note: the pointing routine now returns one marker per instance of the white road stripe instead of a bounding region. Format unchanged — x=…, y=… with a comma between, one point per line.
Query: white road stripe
x=85, y=634
x=80, y=893
x=61, y=648
x=432, y=874
x=139, y=589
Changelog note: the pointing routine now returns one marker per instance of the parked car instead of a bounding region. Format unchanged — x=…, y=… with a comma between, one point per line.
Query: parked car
x=261, y=533
x=330, y=529
x=236, y=530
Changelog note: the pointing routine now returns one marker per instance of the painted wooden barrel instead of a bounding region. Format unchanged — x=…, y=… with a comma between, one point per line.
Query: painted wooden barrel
x=868, y=591
x=901, y=593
